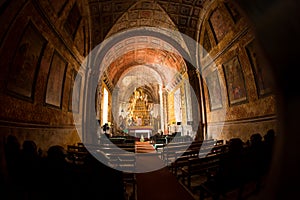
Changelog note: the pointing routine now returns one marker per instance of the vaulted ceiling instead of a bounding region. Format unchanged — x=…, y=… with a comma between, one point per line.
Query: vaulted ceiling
x=150, y=59
x=143, y=56
x=181, y=14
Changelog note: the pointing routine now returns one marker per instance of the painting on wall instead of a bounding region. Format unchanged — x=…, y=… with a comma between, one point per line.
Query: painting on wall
x=235, y=83
x=219, y=24
x=55, y=82
x=25, y=65
x=214, y=90
x=263, y=85
x=75, y=103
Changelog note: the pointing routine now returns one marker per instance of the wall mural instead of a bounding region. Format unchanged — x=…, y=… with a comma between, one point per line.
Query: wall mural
x=26, y=61
x=219, y=25
x=55, y=82
x=214, y=90
x=235, y=84
x=263, y=85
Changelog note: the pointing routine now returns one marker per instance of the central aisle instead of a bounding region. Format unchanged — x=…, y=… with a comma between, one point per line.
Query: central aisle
x=159, y=184
x=147, y=159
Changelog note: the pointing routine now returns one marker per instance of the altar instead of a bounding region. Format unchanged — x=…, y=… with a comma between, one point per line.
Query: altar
x=138, y=131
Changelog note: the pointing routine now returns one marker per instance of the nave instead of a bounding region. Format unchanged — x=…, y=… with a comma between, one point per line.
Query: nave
x=155, y=72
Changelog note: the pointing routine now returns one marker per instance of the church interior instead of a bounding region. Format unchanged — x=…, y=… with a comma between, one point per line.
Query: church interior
x=149, y=99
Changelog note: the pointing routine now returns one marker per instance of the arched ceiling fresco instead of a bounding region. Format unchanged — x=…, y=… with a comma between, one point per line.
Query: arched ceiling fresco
x=180, y=14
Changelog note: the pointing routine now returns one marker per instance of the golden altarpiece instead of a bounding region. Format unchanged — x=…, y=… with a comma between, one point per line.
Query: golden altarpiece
x=139, y=114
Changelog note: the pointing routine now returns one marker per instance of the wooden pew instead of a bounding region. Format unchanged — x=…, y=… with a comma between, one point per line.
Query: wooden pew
x=170, y=151
x=235, y=172
x=199, y=166
x=181, y=156
x=159, y=143
x=120, y=156
x=125, y=161
x=182, y=159
x=76, y=154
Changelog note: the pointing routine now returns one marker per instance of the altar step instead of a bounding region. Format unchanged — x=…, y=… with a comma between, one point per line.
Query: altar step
x=144, y=147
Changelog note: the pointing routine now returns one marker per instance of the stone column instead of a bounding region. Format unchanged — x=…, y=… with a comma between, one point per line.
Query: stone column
x=202, y=129
x=165, y=109
x=115, y=108
x=89, y=122
x=161, y=101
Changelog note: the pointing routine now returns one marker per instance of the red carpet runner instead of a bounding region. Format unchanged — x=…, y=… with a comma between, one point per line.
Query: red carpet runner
x=159, y=184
